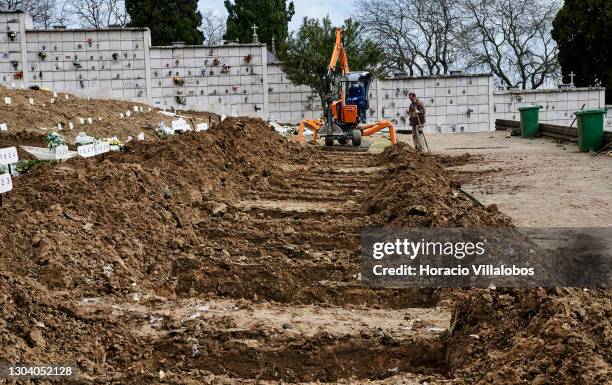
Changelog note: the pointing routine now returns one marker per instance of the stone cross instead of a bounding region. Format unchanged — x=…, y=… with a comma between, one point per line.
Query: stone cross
x=255, y=37
x=571, y=75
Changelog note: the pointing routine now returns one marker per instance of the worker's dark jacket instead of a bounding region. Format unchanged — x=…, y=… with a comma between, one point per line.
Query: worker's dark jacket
x=357, y=96
x=419, y=107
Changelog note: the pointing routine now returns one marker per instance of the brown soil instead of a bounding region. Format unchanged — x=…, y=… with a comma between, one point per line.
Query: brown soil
x=25, y=122
x=232, y=257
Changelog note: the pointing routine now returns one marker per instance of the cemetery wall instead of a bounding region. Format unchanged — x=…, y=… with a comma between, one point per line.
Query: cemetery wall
x=558, y=105
x=245, y=79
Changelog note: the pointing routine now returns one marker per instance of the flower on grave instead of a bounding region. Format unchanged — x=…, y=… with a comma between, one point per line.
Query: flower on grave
x=42, y=55
x=178, y=81
x=83, y=139
x=160, y=131
x=114, y=141
x=216, y=62
x=54, y=139
x=12, y=35
x=18, y=75
x=115, y=144
x=248, y=58
x=225, y=69
x=180, y=100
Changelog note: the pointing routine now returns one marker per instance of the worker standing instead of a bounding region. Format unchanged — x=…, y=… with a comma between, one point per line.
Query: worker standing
x=416, y=112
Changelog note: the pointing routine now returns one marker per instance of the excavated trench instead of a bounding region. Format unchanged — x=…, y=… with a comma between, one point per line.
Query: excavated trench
x=296, y=243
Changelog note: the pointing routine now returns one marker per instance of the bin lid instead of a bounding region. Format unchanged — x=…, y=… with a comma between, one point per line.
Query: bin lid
x=591, y=111
x=532, y=107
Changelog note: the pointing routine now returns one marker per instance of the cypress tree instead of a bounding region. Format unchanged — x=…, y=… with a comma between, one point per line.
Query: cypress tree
x=583, y=32
x=271, y=17
x=168, y=20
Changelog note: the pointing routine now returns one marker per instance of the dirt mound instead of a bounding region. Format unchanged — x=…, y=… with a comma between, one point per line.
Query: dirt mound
x=536, y=336
x=417, y=191
x=107, y=222
x=25, y=121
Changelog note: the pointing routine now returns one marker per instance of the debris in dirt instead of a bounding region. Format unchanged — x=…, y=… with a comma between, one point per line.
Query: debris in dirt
x=36, y=339
x=289, y=230
x=36, y=240
x=218, y=209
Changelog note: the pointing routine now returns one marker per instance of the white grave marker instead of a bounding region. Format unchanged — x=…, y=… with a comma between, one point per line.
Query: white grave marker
x=102, y=147
x=121, y=115
x=31, y=101
x=87, y=150
x=3, y=127
x=135, y=108
x=66, y=96
x=128, y=114
x=6, y=183
x=59, y=126
x=55, y=94
x=82, y=120
x=70, y=125
x=8, y=156
x=90, y=120
x=61, y=152
x=52, y=101
x=7, y=100
x=141, y=136
x=180, y=125
x=202, y=127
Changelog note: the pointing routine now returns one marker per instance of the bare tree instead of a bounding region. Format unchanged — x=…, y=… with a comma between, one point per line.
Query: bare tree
x=98, y=13
x=418, y=35
x=213, y=27
x=511, y=38
x=41, y=11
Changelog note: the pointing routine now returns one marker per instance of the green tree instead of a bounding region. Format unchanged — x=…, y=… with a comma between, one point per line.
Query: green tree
x=583, y=32
x=168, y=20
x=271, y=17
x=310, y=49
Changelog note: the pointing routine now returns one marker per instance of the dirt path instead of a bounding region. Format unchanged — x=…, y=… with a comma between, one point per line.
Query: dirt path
x=536, y=182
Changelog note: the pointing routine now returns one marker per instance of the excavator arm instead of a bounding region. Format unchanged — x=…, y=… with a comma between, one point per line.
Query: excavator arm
x=338, y=53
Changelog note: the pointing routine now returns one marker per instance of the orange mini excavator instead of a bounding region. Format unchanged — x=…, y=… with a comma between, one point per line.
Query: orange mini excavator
x=344, y=117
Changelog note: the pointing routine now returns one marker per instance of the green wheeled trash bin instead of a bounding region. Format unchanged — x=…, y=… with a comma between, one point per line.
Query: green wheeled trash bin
x=529, y=120
x=590, y=129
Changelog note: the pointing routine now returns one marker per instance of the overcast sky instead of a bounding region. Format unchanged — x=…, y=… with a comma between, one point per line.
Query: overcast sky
x=338, y=10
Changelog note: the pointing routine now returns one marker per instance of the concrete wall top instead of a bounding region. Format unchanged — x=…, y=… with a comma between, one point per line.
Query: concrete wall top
x=63, y=30
x=207, y=46
x=447, y=76
x=548, y=90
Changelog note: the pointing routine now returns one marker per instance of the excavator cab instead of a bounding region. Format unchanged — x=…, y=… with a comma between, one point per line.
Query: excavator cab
x=356, y=87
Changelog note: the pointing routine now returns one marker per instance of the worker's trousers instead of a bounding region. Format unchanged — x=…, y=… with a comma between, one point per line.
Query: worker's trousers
x=419, y=138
